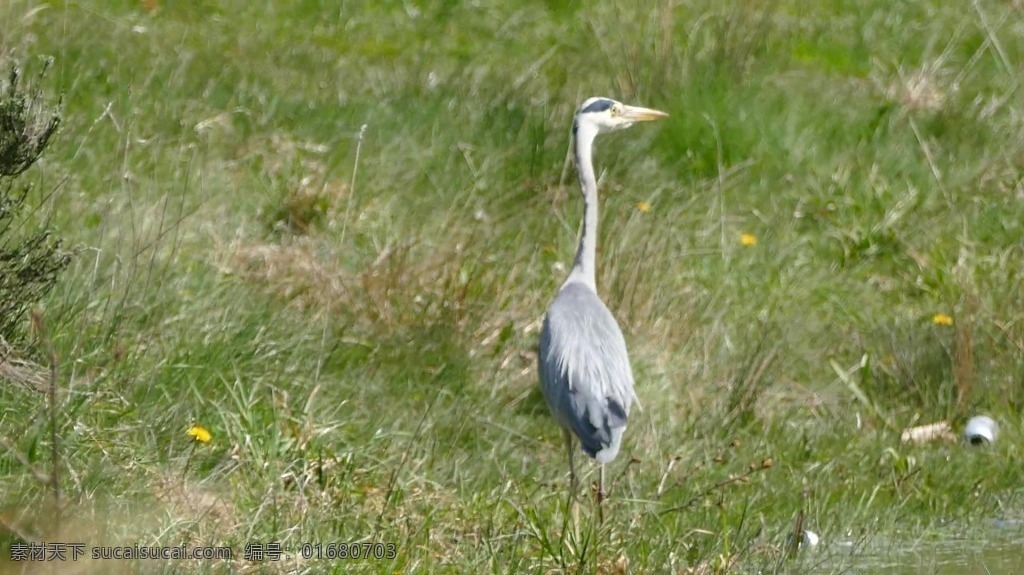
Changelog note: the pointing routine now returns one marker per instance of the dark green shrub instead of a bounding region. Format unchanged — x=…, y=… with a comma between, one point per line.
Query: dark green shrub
x=31, y=257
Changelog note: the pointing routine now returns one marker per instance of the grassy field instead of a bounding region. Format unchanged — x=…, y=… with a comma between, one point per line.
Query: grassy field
x=327, y=233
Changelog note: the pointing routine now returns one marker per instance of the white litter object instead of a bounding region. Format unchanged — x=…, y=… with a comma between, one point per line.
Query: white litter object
x=808, y=539
x=981, y=429
x=940, y=431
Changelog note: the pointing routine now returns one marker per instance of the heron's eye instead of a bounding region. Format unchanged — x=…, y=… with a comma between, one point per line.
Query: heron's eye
x=615, y=111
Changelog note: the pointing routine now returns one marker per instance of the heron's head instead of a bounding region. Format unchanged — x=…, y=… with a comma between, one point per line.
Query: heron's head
x=606, y=115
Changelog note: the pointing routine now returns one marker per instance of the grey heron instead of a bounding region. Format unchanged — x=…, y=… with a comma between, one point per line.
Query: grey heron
x=583, y=364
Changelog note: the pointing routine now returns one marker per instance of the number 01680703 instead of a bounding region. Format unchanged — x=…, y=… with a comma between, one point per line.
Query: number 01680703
x=366, y=550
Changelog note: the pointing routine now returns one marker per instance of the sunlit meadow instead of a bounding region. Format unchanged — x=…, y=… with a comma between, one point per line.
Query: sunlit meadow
x=313, y=243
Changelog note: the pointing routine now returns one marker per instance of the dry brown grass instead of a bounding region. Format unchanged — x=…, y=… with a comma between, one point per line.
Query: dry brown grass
x=171, y=510
x=21, y=371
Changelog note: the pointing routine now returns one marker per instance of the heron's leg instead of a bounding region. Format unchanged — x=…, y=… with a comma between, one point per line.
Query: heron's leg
x=572, y=463
x=572, y=510
x=600, y=493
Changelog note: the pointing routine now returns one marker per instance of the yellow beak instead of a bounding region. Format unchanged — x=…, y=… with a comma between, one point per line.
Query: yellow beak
x=638, y=114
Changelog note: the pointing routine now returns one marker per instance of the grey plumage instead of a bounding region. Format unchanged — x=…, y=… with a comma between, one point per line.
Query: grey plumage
x=583, y=363
x=585, y=372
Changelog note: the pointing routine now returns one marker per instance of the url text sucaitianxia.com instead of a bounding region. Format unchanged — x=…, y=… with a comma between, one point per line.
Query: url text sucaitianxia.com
x=75, y=551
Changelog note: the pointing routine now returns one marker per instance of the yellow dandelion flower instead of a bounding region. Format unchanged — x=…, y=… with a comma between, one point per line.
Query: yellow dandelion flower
x=200, y=434
x=942, y=319
x=643, y=207
x=748, y=240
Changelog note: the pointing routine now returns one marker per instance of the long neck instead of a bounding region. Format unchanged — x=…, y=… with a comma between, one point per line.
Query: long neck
x=583, y=267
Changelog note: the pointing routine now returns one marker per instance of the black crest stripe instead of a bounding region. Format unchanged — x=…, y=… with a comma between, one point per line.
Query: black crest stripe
x=598, y=106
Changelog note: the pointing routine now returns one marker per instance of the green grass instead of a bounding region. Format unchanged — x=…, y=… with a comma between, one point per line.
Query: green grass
x=359, y=334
